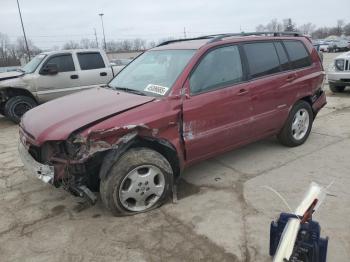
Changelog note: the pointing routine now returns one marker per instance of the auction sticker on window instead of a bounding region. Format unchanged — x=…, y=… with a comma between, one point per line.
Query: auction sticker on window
x=160, y=90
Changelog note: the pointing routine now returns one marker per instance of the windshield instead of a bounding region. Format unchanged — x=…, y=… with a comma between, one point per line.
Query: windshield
x=33, y=64
x=154, y=72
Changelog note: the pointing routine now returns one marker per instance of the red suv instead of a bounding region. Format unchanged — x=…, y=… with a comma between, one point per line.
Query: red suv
x=179, y=103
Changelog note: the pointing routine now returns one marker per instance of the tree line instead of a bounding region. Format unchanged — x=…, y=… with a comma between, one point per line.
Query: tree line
x=12, y=52
x=341, y=28
x=136, y=44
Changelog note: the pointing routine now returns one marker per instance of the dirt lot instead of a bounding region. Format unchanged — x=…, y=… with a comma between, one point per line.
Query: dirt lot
x=223, y=213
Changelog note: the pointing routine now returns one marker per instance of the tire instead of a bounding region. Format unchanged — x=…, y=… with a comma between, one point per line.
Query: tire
x=129, y=182
x=336, y=89
x=16, y=106
x=298, y=126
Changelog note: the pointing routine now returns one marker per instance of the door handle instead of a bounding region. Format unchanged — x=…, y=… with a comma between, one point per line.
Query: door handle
x=74, y=76
x=291, y=78
x=103, y=74
x=242, y=92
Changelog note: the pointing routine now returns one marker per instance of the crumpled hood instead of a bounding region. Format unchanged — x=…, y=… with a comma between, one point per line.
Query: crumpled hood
x=57, y=119
x=9, y=75
x=11, y=78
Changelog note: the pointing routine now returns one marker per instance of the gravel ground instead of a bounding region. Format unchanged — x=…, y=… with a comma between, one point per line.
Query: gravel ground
x=223, y=213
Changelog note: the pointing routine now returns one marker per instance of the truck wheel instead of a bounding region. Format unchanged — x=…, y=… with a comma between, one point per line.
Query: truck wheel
x=16, y=106
x=137, y=182
x=336, y=89
x=298, y=125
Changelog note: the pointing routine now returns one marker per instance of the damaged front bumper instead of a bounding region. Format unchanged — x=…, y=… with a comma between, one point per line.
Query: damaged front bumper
x=45, y=173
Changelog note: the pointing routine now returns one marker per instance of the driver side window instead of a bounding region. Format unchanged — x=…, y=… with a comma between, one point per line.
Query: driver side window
x=220, y=68
x=64, y=63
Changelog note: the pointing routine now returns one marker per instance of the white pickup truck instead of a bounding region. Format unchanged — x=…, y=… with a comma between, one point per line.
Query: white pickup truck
x=50, y=75
x=339, y=73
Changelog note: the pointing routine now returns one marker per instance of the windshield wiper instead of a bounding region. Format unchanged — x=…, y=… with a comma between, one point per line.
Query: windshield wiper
x=128, y=90
x=20, y=70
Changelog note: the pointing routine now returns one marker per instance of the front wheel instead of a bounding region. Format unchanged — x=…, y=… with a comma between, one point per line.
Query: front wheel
x=298, y=125
x=16, y=106
x=137, y=182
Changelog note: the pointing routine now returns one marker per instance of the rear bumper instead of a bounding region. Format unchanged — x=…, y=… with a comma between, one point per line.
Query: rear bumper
x=320, y=102
x=45, y=173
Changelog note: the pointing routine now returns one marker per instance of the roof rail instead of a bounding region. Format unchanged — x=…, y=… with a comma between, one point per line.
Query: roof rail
x=187, y=39
x=218, y=37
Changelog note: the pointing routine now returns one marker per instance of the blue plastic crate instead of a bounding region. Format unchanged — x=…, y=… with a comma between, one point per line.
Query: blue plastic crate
x=309, y=245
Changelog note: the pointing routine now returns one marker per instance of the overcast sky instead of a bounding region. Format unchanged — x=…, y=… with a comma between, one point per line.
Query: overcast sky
x=53, y=22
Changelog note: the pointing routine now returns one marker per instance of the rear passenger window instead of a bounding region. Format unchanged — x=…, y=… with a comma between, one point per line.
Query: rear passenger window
x=89, y=61
x=262, y=59
x=282, y=55
x=64, y=63
x=219, y=68
x=298, y=55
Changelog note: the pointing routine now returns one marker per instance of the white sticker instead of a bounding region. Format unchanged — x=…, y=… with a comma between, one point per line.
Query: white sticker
x=160, y=90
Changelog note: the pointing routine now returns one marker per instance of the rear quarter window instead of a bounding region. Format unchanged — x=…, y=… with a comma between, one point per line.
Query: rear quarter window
x=262, y=59
x=298, y=55
x=282, y=55
x=90, y=61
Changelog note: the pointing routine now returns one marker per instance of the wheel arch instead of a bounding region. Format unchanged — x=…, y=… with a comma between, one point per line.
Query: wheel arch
x=308, y=99
x=162, y=146
x=9, y=92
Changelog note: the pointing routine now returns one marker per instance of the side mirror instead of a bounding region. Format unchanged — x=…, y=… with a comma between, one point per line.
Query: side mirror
x=49, y=69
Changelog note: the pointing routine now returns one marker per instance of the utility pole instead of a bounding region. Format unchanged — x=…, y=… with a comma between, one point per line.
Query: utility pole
x=185, y=35
x=103, y=29
x=96, y=38
x=24, y=33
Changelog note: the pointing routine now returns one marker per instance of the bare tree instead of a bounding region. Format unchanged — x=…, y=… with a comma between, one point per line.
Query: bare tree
x=152, y=44
x=260, y=28
x=346, y=29
x=87, y=43
x=307, y=29
x=321, y=32
x=21, y=50
x=113, y=46
x=274, y=26
x=11, y=53
x=71, y=45
x=340, y=25
x=126, y=45
x=139, y=44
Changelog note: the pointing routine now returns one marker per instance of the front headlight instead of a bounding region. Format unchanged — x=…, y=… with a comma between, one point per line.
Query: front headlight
x=339, y=64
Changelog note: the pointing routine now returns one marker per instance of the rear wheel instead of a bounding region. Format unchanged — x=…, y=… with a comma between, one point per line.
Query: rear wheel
x=298, y=125
x=137, y=182
x=336, y=89
x=16, y=106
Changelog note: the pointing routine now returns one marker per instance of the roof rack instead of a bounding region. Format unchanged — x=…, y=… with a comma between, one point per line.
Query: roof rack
x=218, y=37
x=186, y=39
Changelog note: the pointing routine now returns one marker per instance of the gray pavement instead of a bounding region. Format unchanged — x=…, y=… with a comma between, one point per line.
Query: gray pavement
x=223, y=213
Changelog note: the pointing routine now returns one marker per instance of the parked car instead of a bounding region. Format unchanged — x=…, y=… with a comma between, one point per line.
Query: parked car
x=175, y=105
x=324, y=47
x=317, y=46
x=339, y=45
x=339, y=73
x=50, y=75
